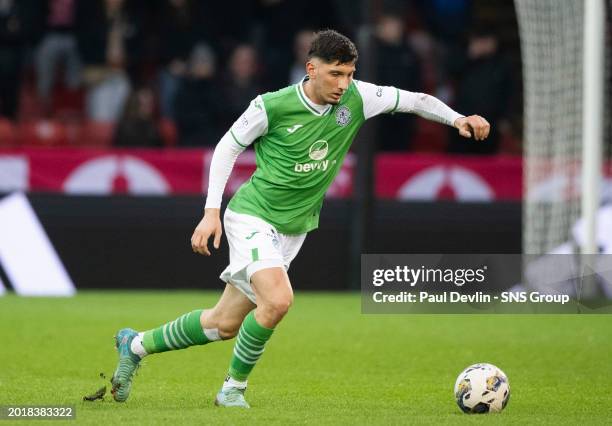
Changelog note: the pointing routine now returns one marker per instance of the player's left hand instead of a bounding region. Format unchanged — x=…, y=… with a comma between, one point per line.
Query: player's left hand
x=473, y=125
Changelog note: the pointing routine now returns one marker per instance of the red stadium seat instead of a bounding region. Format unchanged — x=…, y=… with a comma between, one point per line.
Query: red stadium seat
x=73, y=131
x=68, y=104
x=96, y=134
x=7, y=132
x=43, y=133
x=167, y=130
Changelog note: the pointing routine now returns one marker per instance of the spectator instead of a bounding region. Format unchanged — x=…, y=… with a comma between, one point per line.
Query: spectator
x=137, y=125
x=108, y=37
x=179, y=30
x=447, y=18
x=301, y=46
x=59, y=44
x=215, y=29
x=484, y=86
x=276, y=24
x=18, y=26
x=242, y=86
x=398, y=65
x=197, y=100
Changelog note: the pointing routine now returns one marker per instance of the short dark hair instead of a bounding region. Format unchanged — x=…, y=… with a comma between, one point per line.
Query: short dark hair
x=333, y=47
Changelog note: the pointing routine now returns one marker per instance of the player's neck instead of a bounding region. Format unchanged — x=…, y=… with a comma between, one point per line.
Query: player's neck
x=309, y=92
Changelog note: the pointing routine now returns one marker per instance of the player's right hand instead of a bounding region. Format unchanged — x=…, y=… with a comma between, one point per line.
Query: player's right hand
x=209, y=225
x=474, y=125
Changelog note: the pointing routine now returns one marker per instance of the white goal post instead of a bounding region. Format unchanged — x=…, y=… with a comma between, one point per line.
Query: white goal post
x=563, y=52
x=592, y=117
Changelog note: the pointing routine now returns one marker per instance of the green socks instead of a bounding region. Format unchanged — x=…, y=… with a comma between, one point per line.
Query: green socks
x=250, y=343
x=183, y=332
x=187, y=331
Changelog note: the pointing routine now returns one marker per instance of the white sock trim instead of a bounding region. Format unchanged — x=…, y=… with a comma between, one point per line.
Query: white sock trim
x=137, y=347
x=232, y=383
x=212, y=334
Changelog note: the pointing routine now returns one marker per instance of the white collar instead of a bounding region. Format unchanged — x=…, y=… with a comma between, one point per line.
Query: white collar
x=316, y=109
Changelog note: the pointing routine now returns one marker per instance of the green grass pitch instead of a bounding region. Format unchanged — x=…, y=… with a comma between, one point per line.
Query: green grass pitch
x=326, y=363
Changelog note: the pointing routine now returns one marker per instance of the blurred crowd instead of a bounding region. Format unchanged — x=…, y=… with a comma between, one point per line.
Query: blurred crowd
x=179, y=72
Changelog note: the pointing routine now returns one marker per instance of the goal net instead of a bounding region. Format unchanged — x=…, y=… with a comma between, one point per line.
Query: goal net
x=552, y=34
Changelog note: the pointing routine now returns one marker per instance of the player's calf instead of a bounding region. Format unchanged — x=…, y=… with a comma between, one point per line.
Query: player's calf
x=183, y=332
x=227, y=323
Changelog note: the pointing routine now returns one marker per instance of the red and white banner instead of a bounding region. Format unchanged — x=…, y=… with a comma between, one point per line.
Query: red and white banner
x=128, y=171
x=446, y=177
x=99, y=172
x=185, y=171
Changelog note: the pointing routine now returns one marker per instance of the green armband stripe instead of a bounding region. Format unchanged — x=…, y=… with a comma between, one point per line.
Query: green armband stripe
x=396, y=101
x=236, y=140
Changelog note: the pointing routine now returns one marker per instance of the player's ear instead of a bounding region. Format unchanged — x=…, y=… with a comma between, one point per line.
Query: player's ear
x=311, y=69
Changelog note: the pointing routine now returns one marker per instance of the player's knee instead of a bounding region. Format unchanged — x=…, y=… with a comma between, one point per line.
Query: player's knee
x=274, y=295
x=278, y=306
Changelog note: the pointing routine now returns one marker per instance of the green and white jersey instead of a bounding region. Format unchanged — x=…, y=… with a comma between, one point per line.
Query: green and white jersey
x=300, y=147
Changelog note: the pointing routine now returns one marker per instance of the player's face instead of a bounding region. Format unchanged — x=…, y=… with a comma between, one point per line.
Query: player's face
x=330, y=81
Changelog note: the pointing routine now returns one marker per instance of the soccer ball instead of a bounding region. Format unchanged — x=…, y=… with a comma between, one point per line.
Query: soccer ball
x=482, y=388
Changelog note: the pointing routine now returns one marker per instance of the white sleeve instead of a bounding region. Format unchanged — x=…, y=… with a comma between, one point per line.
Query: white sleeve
x=252, y=124
x=386, y=99
x=376, y=99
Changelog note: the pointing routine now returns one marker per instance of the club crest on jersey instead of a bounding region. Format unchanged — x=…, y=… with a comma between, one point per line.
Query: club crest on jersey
x=343, y=116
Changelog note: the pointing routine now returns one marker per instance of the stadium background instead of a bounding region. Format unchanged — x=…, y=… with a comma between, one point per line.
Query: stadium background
x=112, y=154
x=118, y=105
